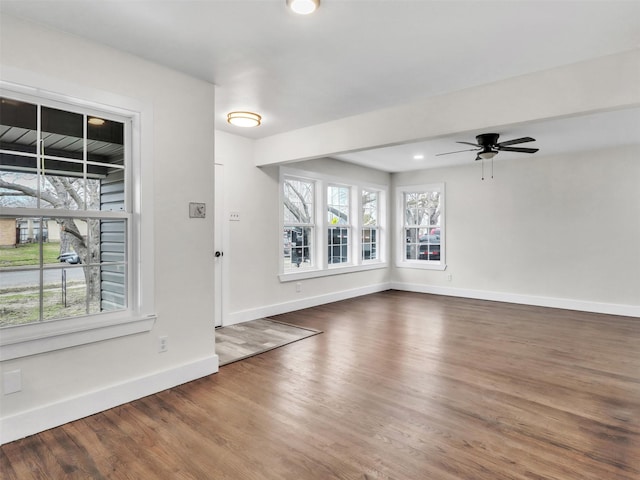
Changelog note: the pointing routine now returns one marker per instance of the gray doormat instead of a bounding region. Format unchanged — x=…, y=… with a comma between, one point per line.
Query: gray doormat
x=244, y=340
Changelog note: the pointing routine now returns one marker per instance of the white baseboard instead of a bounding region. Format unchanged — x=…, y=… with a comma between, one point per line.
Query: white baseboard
x=553, y=302
x=27, y=423
x=286, y=307
x=564, y=303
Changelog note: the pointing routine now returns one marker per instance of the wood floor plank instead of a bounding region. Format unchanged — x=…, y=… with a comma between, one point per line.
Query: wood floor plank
x=399, y=386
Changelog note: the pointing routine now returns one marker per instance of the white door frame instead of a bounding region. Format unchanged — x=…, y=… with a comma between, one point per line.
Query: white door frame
x=219, y=270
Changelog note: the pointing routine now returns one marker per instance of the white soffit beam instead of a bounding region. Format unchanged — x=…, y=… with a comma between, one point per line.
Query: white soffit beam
x=603, y=84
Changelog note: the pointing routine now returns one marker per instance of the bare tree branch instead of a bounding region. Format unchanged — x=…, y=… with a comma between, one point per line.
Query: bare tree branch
x=303, y=216
x=71, y=191
x=31, y=192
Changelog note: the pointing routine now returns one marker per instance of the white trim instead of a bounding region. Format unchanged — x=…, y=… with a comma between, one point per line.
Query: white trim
x=291, y=276
x=55, y=414
x=319, y=261
x=400, y=254
x=34, y=338
x=551, y=302
x=523, y=299
x=19, y=340
x=278, y=308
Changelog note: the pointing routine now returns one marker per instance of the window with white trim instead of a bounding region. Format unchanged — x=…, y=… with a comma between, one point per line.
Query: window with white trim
x=421, y=212
x=329, y=226
x=299, y=223
x=339, y=228
x=67, y=224
x=369, y=222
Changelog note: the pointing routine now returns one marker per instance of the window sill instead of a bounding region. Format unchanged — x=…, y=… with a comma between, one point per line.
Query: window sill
x=32, y=339
x=332, y=270
x=422, y=265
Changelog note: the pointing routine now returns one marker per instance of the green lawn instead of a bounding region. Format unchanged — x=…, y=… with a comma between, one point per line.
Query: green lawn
x=17, y=308
x=29, y=254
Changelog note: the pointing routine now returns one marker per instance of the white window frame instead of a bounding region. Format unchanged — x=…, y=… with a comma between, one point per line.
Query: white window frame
x=401, y=260
x=313, y=224
x=139, y=316
x=347, y=226
x=321, y=267
x=376, y=227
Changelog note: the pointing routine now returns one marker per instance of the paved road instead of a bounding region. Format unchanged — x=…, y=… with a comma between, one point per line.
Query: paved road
x=22, y=278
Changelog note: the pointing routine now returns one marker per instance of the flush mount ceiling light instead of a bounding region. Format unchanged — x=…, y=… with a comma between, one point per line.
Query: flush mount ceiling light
x=303, y=7
x=244, y=119
x=95, y=121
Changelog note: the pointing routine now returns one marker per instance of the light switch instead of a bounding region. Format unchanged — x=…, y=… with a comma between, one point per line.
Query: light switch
x=197, y=210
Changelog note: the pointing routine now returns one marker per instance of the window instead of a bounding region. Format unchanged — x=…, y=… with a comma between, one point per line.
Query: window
x=299, y=226
x=338, y=244
x=422, y=230
x=67, y=234
x=329, y=227
x=369, y=221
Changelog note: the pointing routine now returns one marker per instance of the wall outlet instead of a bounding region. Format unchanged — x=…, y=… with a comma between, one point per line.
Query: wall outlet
x=234, y=216
x=163, y=344
x=449, y=277
x=298, y=287
x=12, y=382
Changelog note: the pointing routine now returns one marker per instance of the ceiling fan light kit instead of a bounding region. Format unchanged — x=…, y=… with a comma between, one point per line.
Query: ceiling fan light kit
x=487, y=154
x=303, y=7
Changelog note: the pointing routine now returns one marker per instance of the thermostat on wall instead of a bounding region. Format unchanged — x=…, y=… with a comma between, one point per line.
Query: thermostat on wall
x=197, y=210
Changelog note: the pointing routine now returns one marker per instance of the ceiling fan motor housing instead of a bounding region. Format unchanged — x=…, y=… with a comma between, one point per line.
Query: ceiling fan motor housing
x=487, y=139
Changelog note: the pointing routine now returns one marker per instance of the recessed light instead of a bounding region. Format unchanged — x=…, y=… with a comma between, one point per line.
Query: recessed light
x=418, y=156
x=303, y=7
x=244, y=119
x=95, y=121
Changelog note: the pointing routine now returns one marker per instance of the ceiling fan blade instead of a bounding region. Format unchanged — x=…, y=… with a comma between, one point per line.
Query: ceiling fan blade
x=517, y=149
x=457, y=151
x=516, y=140
x=469, y=143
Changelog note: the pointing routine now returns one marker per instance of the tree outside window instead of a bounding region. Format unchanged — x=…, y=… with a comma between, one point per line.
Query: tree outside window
x=328, y=226
x=63, y=213
x=338, y=238
x=299, y=228
x=423, y=225
x=369, y=240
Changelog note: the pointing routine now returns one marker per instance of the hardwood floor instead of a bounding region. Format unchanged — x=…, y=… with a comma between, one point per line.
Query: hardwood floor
x=237, y=342
x=399, y=386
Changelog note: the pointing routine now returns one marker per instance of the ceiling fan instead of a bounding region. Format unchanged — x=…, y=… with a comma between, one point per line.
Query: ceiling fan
x=488, y=147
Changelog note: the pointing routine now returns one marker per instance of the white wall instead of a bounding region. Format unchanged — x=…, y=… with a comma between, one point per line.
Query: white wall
x=69, y=383
x=252, y=245
x=556, y=230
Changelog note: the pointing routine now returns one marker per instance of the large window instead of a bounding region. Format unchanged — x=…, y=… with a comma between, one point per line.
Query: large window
x=329, y=226
x=62, y=192
x=339, y=229
x=370, y=229
x=299, y=223
x=67, y=230
x=422, y=232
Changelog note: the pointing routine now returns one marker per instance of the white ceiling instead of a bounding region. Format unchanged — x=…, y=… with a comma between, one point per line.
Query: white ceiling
x=553, y=137
x=357, y=56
